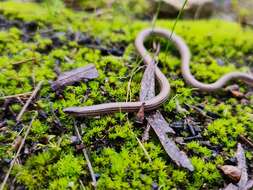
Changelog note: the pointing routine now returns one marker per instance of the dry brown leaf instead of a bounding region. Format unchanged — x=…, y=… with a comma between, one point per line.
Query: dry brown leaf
x=157, y=120
x=148, y=83
x=79, y=147
x=158, y=123
x=75, y=75
x=240, y=155
x=17, y=142
x=3, y=129
x=237, y=94
x=140, y=114
x=232, y=172
x=179, y=157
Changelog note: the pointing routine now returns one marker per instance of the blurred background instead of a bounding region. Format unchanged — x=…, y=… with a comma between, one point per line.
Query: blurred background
x=232, y=10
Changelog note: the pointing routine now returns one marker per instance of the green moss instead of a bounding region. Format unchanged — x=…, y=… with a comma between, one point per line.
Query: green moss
x=39, y=128
x=111, y=140
x=205, y=171
x=198, y=149
x=62, y=183
x=225, y=131
x=64, y=172
x=63, y=169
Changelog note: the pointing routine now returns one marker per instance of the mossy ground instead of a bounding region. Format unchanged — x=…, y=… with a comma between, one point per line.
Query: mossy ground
x=111, y=140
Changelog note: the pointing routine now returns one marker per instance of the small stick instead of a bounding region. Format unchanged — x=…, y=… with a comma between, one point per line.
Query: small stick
x=17, y=154
x=198, y=11
x=3, y=123
x=87, y=158
x=143, y=148
x=128, y=96
x=193, y=137
x=82, y=185
x=179, y=108
x=200, y=111
x=97, y=13
x=19, y=99
x=34, y=93
x=246, y=140
x=140, y=143
x=23, y=61
x=15, y=95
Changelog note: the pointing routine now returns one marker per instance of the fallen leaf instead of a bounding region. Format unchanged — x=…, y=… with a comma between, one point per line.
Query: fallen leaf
x=79, y=147
x=157, y=120
x=244, y=183
x=3, y=129
x=17, y=142
x=158, y=123
x=231, y=186
x=240, y=155
x=75, y=75
x=232, y=172
x=148, y=83
x=235, y=91
x=237, y=94
x=140, y=114
x=179, y=157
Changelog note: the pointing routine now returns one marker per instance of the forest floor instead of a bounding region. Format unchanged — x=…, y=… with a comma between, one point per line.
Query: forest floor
x=37, y=43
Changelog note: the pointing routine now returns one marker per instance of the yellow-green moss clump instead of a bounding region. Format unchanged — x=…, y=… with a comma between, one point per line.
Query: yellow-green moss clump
x=119, y=162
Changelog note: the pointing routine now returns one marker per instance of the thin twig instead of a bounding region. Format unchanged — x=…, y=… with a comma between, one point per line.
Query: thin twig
x=246, y=140
x=135, y=70
x=178, y=16
x=242, y=165
x=130, y=81
x=143, y=148
x=198, y=11
x=34, y=93
x=19, y=99
x=18, y=152
x=23, y=61
x=82, y=185
x=86, y=157
x=200, y=111
x=156, y=15
x=3, y=123
x=15, y=95
x=174, y=25
x=97, y=13
x=140, y=143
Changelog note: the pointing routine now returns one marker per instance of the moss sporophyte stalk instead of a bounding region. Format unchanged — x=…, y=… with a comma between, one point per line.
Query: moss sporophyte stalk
x=50, y=159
